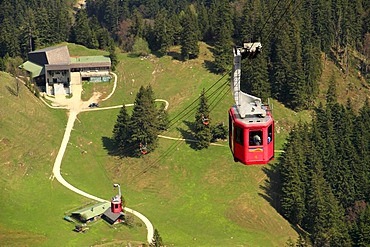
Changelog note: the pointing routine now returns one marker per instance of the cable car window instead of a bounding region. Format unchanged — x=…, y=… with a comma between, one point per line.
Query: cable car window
x=255, y=138
x=269, y=134
x=239, y=135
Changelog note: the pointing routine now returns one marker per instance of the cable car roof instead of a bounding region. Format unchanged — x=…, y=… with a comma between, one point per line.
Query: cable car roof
x=251, y=119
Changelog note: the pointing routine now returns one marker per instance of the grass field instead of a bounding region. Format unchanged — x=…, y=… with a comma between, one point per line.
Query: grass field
x=194, y=198
x=33, y=206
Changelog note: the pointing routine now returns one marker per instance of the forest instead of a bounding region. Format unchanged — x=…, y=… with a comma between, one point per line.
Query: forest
x=323, y=182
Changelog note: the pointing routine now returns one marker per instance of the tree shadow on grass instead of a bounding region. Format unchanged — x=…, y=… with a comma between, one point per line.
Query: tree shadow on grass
x=210, y=66
x=112, y=150
x=272, y=186
x=188, y=134
x=109, y=146
x=175, y=55
x=12, y=91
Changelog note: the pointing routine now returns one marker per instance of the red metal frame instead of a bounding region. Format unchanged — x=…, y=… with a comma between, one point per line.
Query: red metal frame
x=242, y=150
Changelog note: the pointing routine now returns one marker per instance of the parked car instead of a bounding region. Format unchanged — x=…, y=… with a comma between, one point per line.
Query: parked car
x=94, y=105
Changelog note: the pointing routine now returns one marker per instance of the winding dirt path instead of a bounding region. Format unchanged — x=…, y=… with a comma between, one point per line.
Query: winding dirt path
x=75, y=106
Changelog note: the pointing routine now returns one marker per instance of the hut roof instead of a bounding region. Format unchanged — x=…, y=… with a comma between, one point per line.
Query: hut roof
x=92, y=211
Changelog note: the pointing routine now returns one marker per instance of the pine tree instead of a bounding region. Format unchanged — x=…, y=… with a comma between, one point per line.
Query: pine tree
x=255, y=77
x=137, y=28
x=203, y=22
x=202, y=127
x=324, y=215
x=175, y=29
x=323, y=23
x=43, y=27
x=223, y=50
x=81, y=31
x=292, y=171
x=163, y=118
x=364, y=228
x=113, y=55
x=162, y=38
x=311, y=58
x=222, y=36
x=144, y=122
x=28, y=34
x=189, y=37
x=157, y=240
x=121, y=130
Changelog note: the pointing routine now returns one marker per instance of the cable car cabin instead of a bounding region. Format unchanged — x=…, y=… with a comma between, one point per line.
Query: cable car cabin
x=251, y=139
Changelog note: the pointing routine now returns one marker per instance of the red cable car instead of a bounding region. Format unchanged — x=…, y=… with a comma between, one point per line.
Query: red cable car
x=251, y=126
x=205, y=120
x=143, y=149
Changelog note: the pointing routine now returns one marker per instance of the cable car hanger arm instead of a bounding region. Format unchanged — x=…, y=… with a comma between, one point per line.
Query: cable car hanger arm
x=246, y=104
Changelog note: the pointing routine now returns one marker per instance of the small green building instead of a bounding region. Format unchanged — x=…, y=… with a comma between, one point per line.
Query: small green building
x=91, y=213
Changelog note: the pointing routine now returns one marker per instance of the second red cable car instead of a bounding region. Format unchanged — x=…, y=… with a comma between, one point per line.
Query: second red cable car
x=251, y=126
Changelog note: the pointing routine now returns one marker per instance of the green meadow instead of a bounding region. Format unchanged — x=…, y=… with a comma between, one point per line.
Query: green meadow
x=194, y=198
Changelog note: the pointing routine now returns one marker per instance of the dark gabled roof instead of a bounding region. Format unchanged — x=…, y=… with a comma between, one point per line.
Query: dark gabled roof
x=55, y=54
x=112, y=216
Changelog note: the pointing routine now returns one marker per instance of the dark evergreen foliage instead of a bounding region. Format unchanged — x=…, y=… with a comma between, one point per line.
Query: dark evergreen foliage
x=121, y=130
x=219, y=131
x=222, y=35
x=328, y=172
x=163, y=119
x=113, y=55
x=189, y=35
x=202, y=123
x=157, y=240
x=144, y=122
x=255, y=77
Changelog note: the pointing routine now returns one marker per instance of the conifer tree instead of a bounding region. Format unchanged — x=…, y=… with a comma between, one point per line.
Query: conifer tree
x=322, y=19
x=113, y=55
x=144, y=122
x=255, y=79
x=121, y=130
x=202, y=127
x=163, y=118
x=311, y=57
x=157, y=239
x=43, y=26
x=175, y=29
x=162, y=37
x=189, y=37
x=222, y=52
x=81, y=31
x=222, y=36
x=364, y=228
x=325, y=220
x=292, y=171
x=203, y=22
x=8, y=44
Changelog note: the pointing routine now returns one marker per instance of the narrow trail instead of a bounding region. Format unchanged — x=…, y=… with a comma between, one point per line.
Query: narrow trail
x=75, y=105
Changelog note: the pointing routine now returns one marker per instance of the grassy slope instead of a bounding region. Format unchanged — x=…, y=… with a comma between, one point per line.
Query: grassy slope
x=32, y=206
x=349, y=87
x=192, y=197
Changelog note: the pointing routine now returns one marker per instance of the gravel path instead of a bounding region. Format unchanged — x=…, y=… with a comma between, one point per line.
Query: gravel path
x=75, y=106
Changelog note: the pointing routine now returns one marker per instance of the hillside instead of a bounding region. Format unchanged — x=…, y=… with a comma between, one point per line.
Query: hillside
x=191, y=197
x=32, y=205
